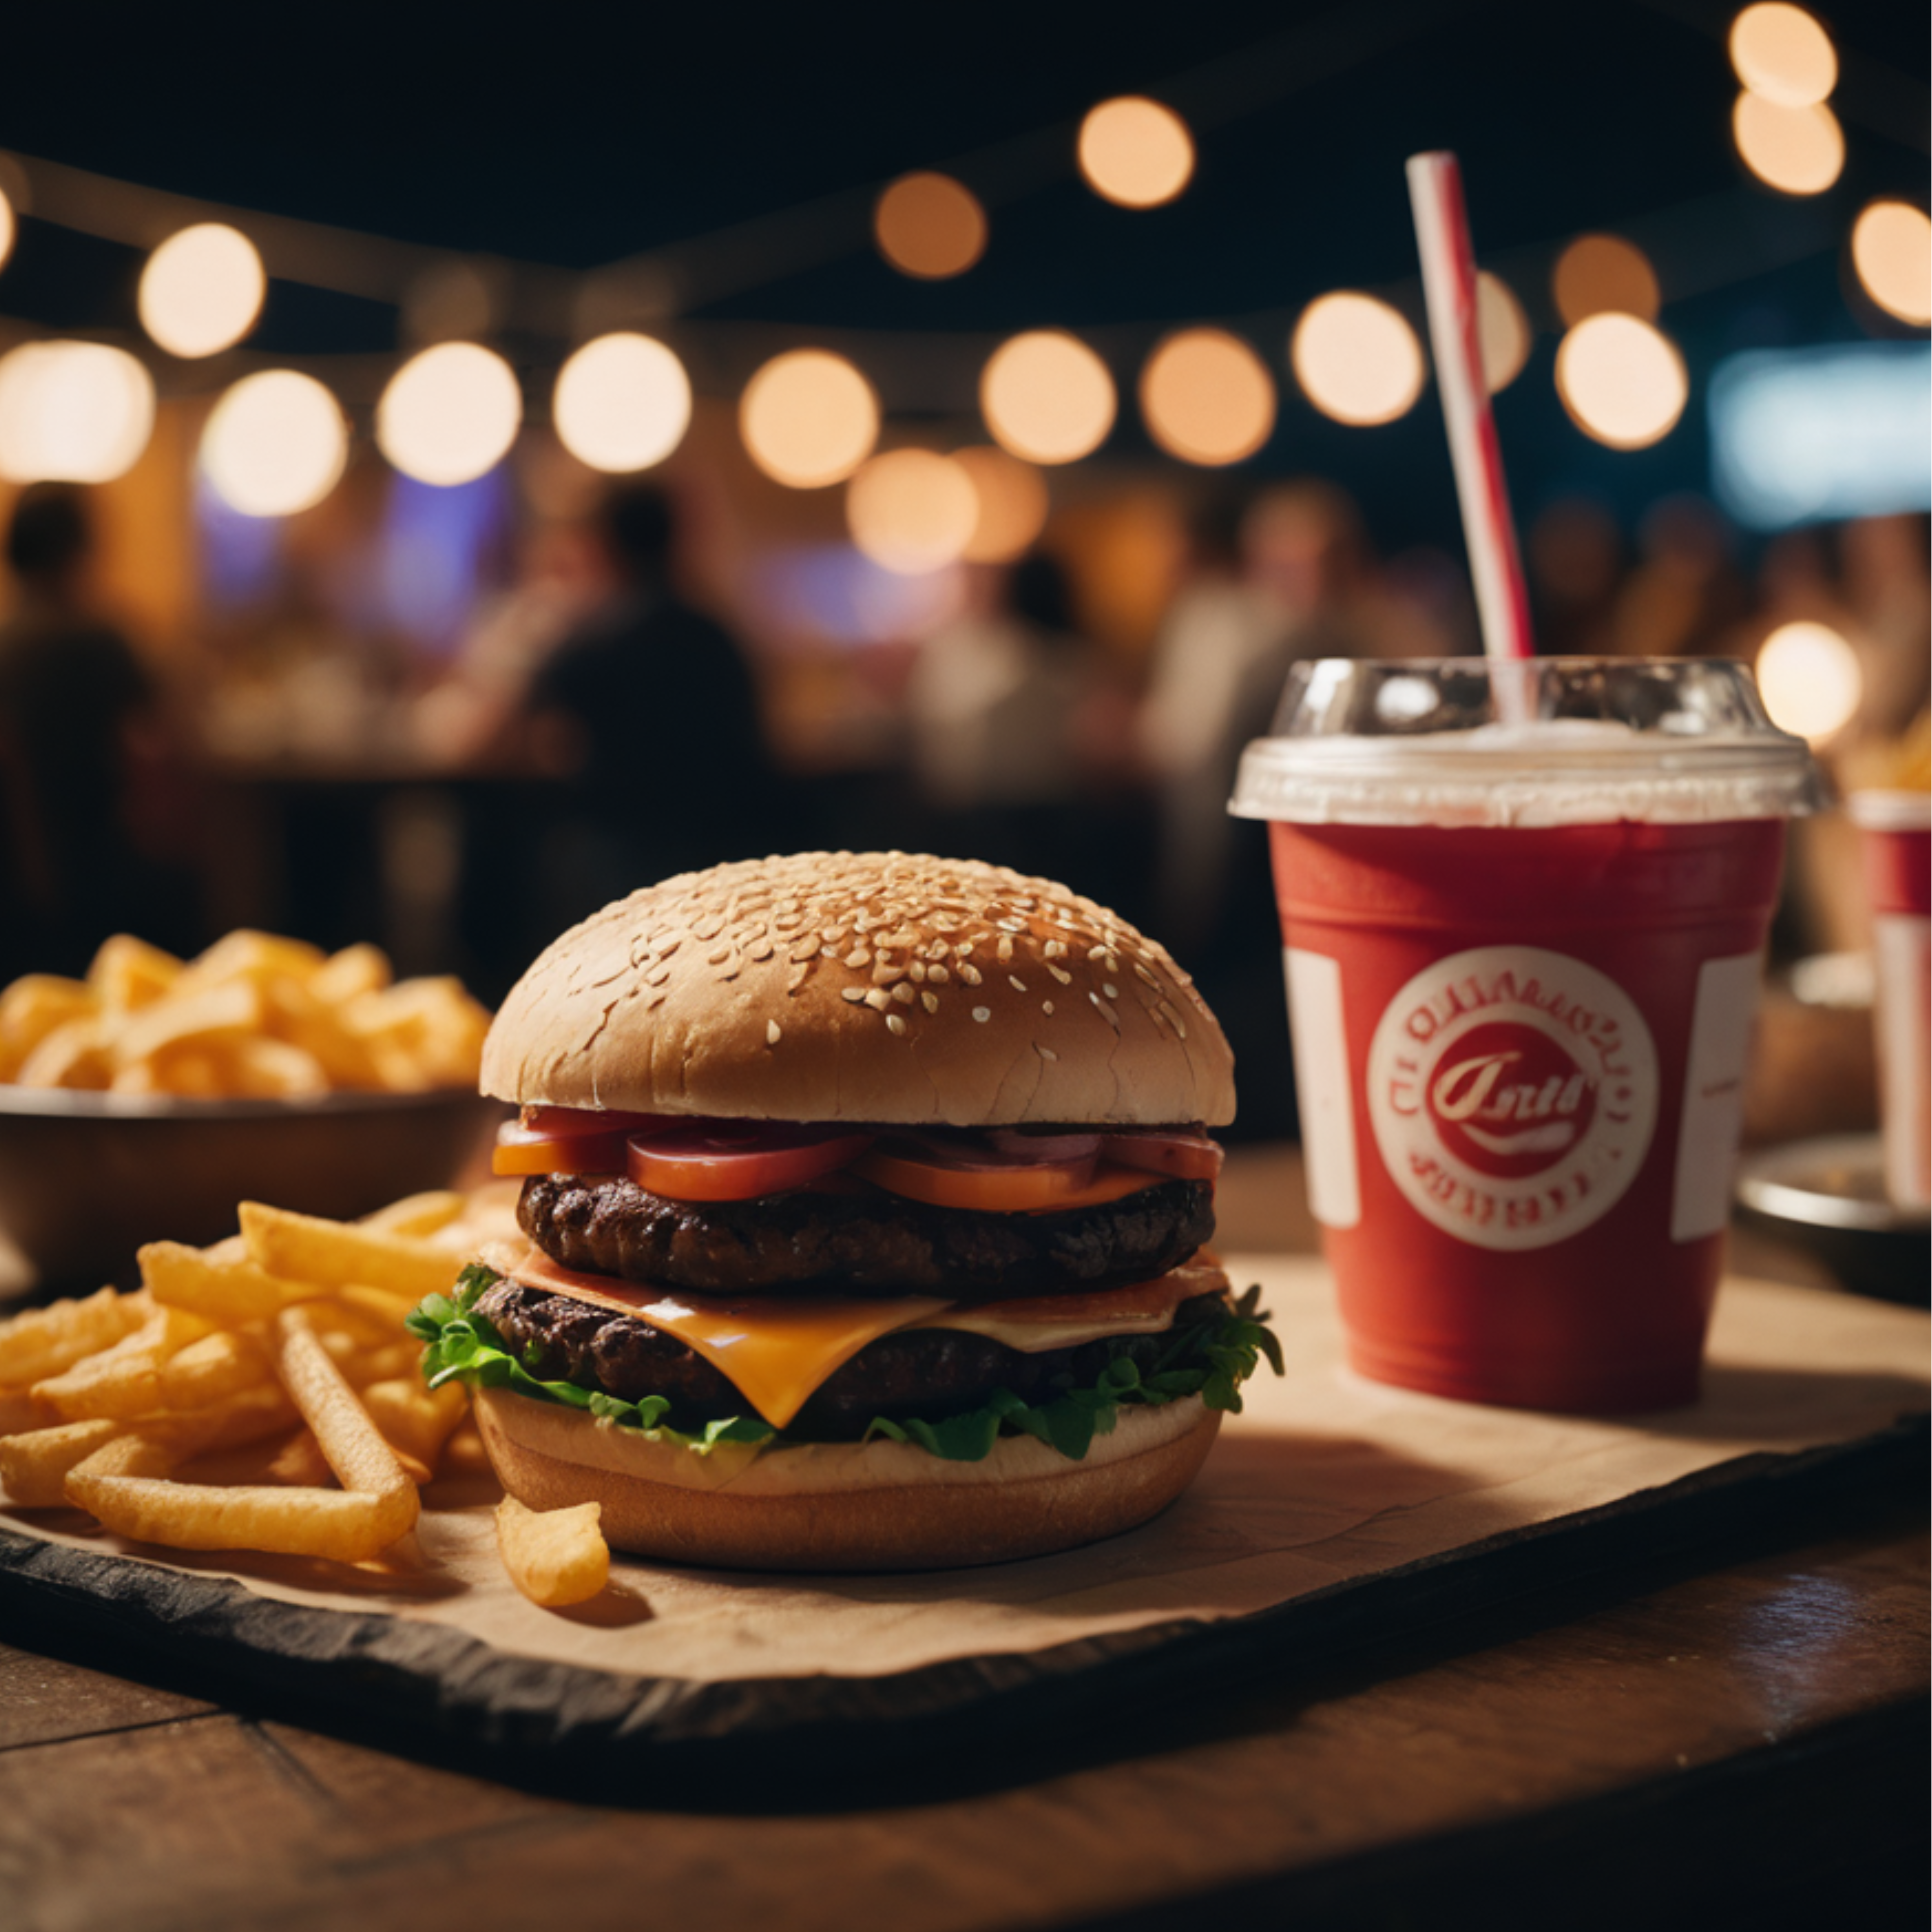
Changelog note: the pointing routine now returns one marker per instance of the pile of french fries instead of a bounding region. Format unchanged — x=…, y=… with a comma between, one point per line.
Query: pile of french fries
x=263, y=1394
x=254, y=1017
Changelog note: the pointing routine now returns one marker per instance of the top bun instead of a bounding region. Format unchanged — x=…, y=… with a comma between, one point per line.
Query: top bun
x=868, y=986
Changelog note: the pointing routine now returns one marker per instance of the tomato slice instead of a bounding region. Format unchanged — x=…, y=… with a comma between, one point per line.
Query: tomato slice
x=717, y=1161
x=946, y=1176
x=523, y=1150
x=562, y=1123
x=1184, y=1157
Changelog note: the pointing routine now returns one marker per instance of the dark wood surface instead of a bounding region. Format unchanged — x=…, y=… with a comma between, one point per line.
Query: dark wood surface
x=1733, y=1734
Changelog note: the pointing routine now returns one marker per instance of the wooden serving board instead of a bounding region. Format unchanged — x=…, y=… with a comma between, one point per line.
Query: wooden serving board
x=1333, y=1511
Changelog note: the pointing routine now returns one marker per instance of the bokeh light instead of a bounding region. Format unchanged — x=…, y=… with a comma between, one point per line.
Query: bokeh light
x=1891, y=249
x=202, y=289
x=930, y=226
x=1502, y=330
x=274, y=444
x=1012, y=500
x=1357, y=359
x=73, y=412
x=1622, y=381
x=1797, y=150
x=1206, y=396
x=449, y=413
x=1601, y=274
x=1135, y=152
x=808, y=419
x=911, y=510
x=621, y=403
x=1810, y=679
x=9, y=227
x=1782, y=55
x=1047, y=397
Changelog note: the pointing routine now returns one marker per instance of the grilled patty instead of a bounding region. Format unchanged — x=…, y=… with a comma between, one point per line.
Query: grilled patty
x=930, y=1372
x=860, y=1243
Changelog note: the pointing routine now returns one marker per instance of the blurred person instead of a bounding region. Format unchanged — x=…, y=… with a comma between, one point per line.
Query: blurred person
x=84, y=753
x=649, y=713
x=995, y=705
x=1574, y=553
x=1687, y=592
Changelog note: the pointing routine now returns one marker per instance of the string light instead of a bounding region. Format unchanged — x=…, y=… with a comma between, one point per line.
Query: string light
x=930, y=226
x=1135, y=152
x=1798, y=150
x=1357, y=359
x=911, y=510
x=1206, y=397
x=276, y=443
x=1782, y=55
x=1012, y=503
x=73, y=412
x=1622, y=381
x=1600, y=275
x=621, y=403
x=1891, y=249
x=808, y=419
x=1503, y=331
x=449, y=413
x=1810, y=679
x=1047, y=397
x=202, y=289
x=9, y=227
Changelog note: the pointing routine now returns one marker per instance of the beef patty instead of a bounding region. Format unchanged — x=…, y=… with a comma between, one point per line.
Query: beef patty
x=871, y=1242
x=930, y=1372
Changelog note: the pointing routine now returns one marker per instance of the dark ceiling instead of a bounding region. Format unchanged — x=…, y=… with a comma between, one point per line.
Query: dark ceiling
x=573, y=135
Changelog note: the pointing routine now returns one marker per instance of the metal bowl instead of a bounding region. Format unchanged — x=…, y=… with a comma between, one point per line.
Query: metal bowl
x=85, y=1178
x=1827, y=1196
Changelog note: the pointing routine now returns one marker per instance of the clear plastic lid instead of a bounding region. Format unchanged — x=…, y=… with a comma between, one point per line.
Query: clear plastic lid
x=1552, y=741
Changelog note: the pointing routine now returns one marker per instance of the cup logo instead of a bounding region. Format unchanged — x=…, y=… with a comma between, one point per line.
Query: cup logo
x=1513, y=1094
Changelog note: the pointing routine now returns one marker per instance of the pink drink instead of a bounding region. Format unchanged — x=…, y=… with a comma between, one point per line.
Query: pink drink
x=1523, y=961
x=1897, y=837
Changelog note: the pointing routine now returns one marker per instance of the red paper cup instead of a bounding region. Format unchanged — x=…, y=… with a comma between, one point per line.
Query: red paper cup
x=1523, y=907
x=1897, y=838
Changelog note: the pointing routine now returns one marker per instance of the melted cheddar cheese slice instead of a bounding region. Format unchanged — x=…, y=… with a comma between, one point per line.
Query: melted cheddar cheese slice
x=779, y=1350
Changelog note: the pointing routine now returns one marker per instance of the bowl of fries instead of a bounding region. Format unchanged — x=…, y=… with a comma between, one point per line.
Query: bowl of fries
x=141, y=1101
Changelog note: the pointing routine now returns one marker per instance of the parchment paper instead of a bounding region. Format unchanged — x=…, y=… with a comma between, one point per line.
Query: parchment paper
x=1324, y=1478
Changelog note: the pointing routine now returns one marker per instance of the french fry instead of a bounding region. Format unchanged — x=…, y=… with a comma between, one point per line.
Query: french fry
x=300, y=1462
x=213, y=1368
x=388, y=1363
x=126, y=1484
x=417, y=1215
x=75, y=1053
x=220, y=1286
x=42, y=1341
x=33, y=1007
x=346, y=975
x=195, y=1014
x=247, y=954
x=125, y=1380
x=19, y=1412
x=556, y=1557
x=414, y=1418
x=33, y=1467
x=263, y=1068
x=305, y=1248
x=127, y=974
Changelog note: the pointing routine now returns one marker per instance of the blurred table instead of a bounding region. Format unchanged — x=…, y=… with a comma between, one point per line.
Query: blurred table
x=1737, y=1737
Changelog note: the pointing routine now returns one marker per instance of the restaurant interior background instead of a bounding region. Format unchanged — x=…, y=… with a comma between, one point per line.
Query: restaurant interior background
x=549, y=459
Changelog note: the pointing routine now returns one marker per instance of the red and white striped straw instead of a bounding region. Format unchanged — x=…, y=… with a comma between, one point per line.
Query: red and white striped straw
x=1449, y=282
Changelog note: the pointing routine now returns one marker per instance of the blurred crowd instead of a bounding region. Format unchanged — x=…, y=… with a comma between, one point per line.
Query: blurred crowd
x=607, y=710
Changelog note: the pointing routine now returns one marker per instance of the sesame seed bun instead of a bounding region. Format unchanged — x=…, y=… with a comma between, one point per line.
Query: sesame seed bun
x=843, y=1506
x=878, y=987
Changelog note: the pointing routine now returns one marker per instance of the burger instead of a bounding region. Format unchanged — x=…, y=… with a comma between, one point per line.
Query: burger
x=863, y=1224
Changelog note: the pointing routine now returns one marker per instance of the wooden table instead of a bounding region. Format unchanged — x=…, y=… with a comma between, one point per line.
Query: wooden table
x=1738, y=1738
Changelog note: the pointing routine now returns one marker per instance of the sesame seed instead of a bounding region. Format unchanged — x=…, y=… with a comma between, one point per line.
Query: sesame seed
x=807, y=948
x=1097, y=952
x=878, y=999
x=1014, y=980
x=1055, y=949
x=1044, y=1052
x=917, y=970
x=885, y=973
x=718, y=955
x=930, y=1001
x=938, y=975
x=902, y=992
x=970, y=974
x=858, y=956
x=1006, y=950
x=762, y=950
x=796, y=977
x=1107, y=1013
x=773, y=1035
x=1152, y=980
x=852, y=995
x=895, y=1024
x=982, y=1014
x=1046, y=1006
x=1065, y=978
x=1112, y=991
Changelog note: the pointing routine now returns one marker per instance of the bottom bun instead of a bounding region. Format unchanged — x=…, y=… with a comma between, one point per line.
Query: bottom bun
x=841, y=1505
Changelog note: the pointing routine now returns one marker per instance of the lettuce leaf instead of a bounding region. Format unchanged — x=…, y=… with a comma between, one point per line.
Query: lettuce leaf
x=1209, y=1357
